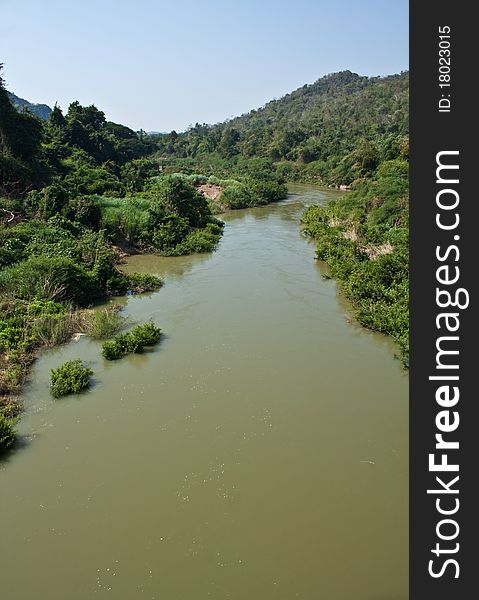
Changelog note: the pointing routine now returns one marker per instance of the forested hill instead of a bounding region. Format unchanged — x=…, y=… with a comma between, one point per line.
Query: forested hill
x=42, y=111
x=336, y=129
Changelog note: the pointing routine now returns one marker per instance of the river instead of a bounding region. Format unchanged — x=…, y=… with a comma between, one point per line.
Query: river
x=260, y=452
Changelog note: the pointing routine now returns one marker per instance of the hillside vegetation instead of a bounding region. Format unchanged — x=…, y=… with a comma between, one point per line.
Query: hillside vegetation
x=334, y=131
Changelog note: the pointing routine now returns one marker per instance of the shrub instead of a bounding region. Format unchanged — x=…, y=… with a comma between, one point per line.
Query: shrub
x=265, y=192
x=46, y=202
x=11, y=335
x=170, y=231
x=70, y=378
x=181, y=198
x=7, y=433
x=198, y=241
x=83, y=210
x=138, y=283
x=116, y=348
x=135, y=173
x=236, y=196
x=87, y=180
x=135, y=340
x=10, y=407
x=143, y=336
x=11, y=378
x=252, y=192
x=48, y=278
x=108, y=280
x=46, y=308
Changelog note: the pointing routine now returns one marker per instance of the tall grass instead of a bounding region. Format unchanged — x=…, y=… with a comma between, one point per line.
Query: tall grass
x=104, y=323
x=124, y=218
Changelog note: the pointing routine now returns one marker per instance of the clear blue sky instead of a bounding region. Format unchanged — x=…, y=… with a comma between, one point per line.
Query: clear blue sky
x=163, y=65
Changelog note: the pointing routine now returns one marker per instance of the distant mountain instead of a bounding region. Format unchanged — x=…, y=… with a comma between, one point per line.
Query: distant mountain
x=319, y=128
x=39, y=110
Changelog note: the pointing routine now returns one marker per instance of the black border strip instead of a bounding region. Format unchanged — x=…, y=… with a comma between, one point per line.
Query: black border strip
x=432, y=132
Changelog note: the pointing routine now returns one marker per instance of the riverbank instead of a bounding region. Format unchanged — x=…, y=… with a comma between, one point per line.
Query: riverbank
x=30, y=328
x=363, y=237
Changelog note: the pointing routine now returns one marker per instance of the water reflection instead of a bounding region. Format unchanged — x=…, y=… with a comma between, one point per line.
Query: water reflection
x=173, y=266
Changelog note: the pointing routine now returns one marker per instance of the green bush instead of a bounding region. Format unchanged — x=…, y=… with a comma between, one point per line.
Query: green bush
x=70, y=378
x=108, y=281
x=83, y=179
x=83, y=210
x=236, y=196
x=171, y=231
x=49, y=279
x=11, y=378
x=136, y=340
x=198, y=241
x=265, y=192
x=7, y=433
x=10, y=407
x=46, y=202
x=139, y=283
x=116, y=348
x=143, y=336
x=26, y=325
x=252, y=192
x=46, y=308
x=11, y=335
x=177, y=195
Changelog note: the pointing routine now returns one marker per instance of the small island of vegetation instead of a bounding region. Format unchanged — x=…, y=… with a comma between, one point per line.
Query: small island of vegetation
x=72, y=377
x=134, y=341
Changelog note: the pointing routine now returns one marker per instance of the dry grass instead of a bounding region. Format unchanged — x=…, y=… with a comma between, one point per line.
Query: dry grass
x=350, y=234
x=375, y=252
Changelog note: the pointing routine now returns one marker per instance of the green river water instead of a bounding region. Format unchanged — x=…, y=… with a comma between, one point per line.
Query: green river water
x=259, y=453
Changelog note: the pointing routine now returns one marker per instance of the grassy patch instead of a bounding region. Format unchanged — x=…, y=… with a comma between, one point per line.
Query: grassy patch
x=104, y=323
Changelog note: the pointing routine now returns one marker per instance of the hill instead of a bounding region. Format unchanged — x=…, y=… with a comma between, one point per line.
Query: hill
x=41, y=111
x=335, y=130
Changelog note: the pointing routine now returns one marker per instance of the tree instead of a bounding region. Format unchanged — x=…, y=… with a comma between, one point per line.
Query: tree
x=56, y=118
x=181, y=198
x=229, y=141
x=21, y=135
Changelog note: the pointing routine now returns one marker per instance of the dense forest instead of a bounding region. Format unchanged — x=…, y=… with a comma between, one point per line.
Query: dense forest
x=78, y=191
x=334, y=131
